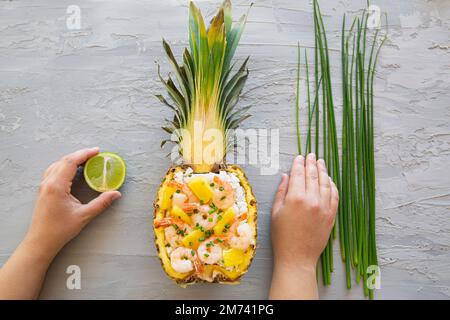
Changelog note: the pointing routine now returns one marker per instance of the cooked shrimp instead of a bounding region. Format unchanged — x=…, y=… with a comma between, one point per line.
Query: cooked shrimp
x=204, y=215
x=174, y=230
x=165, y=222
x=195, y=207
x=185, y=260
x=174, y=235
x=179, y=199
x=205, y=220
x=243, y=237
x=223, y=195
x=184, y=189
x=210, y=252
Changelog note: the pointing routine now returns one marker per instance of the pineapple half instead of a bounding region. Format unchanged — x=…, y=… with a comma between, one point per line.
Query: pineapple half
x=205, y=215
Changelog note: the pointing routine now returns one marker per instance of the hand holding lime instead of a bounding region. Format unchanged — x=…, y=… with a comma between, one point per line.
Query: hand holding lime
x=105, y=172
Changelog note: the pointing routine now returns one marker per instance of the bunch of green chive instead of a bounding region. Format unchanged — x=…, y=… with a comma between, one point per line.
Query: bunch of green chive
x=355, y=179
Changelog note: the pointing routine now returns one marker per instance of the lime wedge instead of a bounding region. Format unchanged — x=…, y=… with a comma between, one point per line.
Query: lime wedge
x=105, y=172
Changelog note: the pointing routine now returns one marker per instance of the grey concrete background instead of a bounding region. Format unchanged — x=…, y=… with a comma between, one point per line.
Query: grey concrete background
x=61, y=90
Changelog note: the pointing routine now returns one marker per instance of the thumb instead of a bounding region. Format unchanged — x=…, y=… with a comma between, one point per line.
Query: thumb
x=99, y=204
x=281, y=193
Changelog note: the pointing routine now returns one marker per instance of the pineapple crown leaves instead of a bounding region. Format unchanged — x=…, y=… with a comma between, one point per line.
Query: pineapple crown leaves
x=204, y=80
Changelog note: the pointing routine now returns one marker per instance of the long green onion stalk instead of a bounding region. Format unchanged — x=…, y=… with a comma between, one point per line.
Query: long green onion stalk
x=354, y=172
x=359, y=55
x=321, y=119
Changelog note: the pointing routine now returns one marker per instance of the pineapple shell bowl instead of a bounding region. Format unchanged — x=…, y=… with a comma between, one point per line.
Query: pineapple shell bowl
x=205, y=214
x=195, y=237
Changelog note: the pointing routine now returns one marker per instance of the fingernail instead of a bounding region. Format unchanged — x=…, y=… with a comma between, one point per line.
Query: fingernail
x=321, y=162
x=301, y=159
x=116, y=195
x=95, y=148
x=312, y=156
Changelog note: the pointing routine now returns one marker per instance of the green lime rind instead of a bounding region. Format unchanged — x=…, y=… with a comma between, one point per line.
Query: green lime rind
x=105, y=172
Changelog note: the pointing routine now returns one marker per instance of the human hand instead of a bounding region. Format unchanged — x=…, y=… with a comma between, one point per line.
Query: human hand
x=303, y=215
x=59, y=216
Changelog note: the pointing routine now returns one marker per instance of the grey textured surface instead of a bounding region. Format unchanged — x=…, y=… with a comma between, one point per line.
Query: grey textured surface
x=61, y=90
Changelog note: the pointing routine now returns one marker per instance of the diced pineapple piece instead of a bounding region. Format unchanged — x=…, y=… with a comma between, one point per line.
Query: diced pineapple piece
x=177, y=212
x=201, y=189
x=233, y=257
x=192, y=240
x=166, y=198
x=227, y=219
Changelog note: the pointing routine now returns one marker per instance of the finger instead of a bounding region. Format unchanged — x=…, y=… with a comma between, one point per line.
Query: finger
x=69, y=163
x=324, y=182
x=81, y=156
x=312, y=179
x=297, y=178
x=99, y=204
x=75, y=199
x=281, y=193
x=48, y=171
x=334, y=202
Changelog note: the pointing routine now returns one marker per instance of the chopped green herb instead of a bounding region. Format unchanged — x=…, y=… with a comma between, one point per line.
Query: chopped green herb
x=193, y=252
x=210, y=219
x=211, y=185
x=201, y=239
x=221, y=188
x=178, y=191
x=206, y=255
x=223, y=198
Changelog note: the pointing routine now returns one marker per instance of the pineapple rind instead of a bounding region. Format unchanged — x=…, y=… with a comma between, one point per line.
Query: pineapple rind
x=217, y=274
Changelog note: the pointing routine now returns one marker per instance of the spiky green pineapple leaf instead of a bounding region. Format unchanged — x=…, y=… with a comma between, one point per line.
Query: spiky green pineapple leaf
x=206, y=90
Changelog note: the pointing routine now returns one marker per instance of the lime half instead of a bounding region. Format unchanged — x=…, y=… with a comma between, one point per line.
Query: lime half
x=105, y=172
